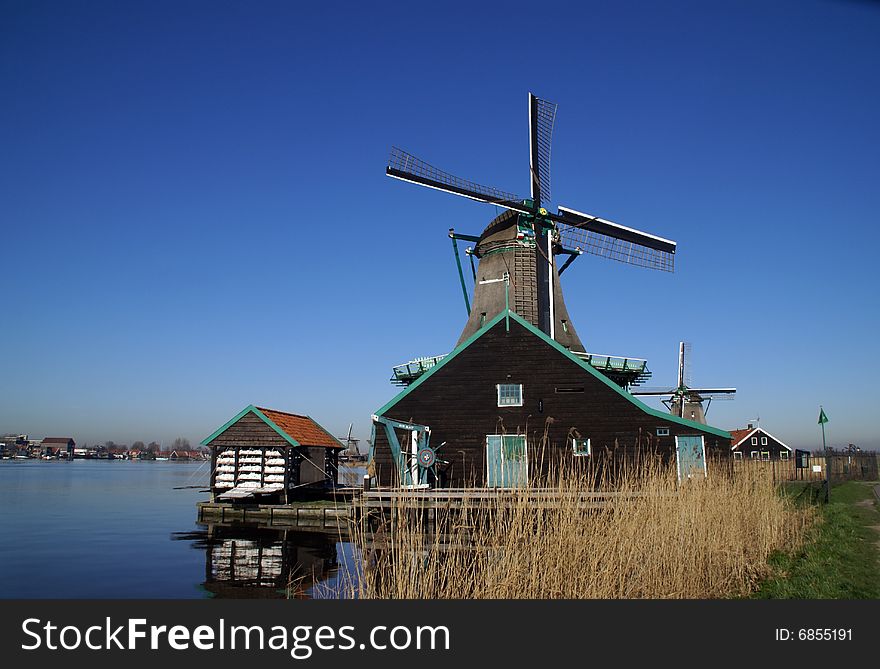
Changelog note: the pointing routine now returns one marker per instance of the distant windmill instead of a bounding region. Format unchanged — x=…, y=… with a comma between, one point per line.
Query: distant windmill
x=524, y=240
x=351, y=445
x=685, y=401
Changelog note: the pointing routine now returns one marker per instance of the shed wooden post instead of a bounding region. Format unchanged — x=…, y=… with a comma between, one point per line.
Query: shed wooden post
x=212, y=480
x=287, y=475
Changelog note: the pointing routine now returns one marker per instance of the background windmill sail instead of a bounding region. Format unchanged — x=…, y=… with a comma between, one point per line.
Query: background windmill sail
x=525, y=239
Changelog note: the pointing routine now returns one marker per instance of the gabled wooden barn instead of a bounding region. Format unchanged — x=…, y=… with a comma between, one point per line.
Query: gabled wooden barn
x=271, y=456
x=58, y=447
x=755, y=443
x=508, y=388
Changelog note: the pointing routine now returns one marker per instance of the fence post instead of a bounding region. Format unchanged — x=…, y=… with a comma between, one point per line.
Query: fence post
x=827, y=475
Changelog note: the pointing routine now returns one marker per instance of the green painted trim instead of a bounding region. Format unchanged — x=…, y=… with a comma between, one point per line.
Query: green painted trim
x=221, y=430
x=584, y=365
x=458, y=349
x=464, y=292
x=281, y=433
x=250, y=408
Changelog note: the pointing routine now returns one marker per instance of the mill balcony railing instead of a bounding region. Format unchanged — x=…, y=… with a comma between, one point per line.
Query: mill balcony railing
x=632, y=371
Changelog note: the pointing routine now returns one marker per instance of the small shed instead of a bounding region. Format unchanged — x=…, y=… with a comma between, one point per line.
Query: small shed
x=755, y=443
x=271, y=456
x=58, y=447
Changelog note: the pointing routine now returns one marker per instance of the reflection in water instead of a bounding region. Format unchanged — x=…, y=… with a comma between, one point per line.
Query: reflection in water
x=245, y=562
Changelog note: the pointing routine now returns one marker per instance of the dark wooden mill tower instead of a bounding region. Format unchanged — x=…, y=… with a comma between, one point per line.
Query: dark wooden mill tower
x=517, y=251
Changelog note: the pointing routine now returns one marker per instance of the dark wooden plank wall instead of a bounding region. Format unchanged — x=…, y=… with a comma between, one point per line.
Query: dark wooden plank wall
x=312, y=471
x=459, y=403
x=249, y=432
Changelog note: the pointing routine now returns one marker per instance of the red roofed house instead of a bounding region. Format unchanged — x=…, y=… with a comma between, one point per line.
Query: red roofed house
x=58, y=447
x=271, y=456
x=754, y=443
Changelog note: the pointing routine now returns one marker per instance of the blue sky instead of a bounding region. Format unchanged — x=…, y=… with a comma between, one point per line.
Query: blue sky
x=195, y=215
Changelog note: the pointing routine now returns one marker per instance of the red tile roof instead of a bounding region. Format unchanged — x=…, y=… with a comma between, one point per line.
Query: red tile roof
x=57, y=440
x=301, y=429
x=737, y=436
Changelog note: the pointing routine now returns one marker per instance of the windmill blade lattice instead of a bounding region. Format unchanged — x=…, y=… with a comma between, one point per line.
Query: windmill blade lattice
x=546, y=115
x=405, y=166
x=606, y=246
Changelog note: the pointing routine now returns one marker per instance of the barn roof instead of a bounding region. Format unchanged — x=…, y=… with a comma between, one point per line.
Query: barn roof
x=295, y=429
x=564, y=351
x=57, y=440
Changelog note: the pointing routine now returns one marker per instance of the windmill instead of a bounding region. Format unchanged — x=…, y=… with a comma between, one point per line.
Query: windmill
x=351, y=445
x=526, y=238
x=683, y=400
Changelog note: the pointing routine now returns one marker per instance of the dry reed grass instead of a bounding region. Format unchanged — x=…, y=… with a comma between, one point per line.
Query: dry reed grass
x=650, y=538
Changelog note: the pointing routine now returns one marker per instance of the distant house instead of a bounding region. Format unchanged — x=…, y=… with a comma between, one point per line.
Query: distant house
x=58, y=447
x=755, y=443
x=271, y=455
x=185, y=456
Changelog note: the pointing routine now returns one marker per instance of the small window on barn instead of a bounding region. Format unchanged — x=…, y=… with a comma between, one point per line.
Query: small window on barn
x=569, y=389
x=754, y=441
x=763, y=441
x=753, y=455
x=737, y=455
x=765, y=455
x=783, y=455
x=510, y=394
x=581, y=447
x=662, y=431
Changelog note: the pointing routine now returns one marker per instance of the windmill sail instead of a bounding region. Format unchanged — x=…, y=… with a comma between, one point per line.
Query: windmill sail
x=405, y=166
x=542, y=114
x=601, y=237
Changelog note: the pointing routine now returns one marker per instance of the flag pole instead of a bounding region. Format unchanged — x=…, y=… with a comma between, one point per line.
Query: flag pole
x=822, y=420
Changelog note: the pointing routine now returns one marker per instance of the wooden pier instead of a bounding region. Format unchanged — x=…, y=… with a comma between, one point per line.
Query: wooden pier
x=328, y=517
x=338, y=515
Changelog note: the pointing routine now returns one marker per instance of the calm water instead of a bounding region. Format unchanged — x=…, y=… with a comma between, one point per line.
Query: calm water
x=119, y=529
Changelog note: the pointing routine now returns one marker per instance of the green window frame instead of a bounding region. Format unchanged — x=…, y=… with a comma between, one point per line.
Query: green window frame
x=581, y=447
x=510, y=394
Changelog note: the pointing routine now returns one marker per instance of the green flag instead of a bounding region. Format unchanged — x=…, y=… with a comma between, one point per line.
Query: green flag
x=822, y=417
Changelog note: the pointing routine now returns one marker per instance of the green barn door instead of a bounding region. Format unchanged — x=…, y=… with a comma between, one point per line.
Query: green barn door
x=690, y=455
x=506, y=462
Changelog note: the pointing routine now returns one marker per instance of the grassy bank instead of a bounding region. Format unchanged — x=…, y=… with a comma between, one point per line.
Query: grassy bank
x=650, y=538
x=840, y=558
